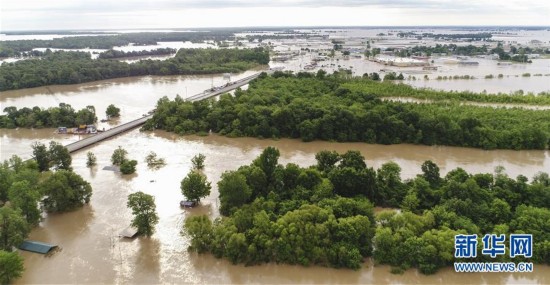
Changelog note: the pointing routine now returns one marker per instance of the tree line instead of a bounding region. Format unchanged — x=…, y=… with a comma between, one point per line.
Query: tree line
x=62, y=116
x=323, y=214
x=46, y=180
x=470, y=36
x=448, y=49
x=390, y=89
x=110, y=54
x=77, y=67
x=15, y=48
x=320, y=107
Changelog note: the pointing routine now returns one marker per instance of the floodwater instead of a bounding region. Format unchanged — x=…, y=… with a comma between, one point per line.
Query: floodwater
x=356, y=38
x=92, y=252
x=512, y=74
x=134, y=95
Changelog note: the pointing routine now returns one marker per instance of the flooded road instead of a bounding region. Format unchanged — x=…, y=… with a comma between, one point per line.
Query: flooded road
x=92, y=252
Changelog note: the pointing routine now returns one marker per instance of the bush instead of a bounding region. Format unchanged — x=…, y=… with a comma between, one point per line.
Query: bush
x=91, y=159
x=153, y=161
x=128, y=167
x=198, y=161
x=112, y=111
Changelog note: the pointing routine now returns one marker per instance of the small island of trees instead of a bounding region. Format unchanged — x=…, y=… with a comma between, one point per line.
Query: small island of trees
x=63, y=115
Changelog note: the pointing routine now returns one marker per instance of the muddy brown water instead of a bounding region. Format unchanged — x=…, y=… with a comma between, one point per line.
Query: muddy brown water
x=92, y=252
x=135, y=96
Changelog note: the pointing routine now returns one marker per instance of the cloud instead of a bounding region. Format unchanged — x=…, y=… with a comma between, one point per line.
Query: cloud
x=79, y=6
x=82, y=14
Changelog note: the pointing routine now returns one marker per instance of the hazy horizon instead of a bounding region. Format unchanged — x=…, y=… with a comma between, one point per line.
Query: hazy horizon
x=35, y=15
x=183, y=29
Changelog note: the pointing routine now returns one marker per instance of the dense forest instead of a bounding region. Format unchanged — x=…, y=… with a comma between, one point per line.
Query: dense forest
x=15, y=48
x=110, y=54
x=323, y=214
x=62, y=116
x=321, y=107
x=76, y=67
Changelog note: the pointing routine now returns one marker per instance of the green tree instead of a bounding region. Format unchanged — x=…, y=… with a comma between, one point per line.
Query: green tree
x=128, y=166
x=144, y=211
x=195, y=186
x=390, y=188
x=7, y=176
x=65, y=191
x=374, y=76
x=234, y=192
x=256, y=179
x=119, y=156
x=25, y=196
x=91, y=159
x=532, y=220
x=198, y=161
x=13, y=228
x=430, y=172
x=353, y=159
x=410, y=202
x=350, y=182
x=267, y=162
x=112, y=111
x=11, y=266
x=60, y=158
x=326, y=160
x=41, y=155
x=199, y=228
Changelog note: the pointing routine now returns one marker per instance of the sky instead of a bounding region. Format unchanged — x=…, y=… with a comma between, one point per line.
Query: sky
x=141, y=14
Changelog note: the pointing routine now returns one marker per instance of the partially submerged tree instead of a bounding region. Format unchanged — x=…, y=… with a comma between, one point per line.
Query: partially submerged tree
x=198, y=161
x=65, y=191
x=91, y=159
x=13, y=228
x=144, y=211
x=60, y=158
x=41, y=155
x=194, y=186
x=25, y=196
x=112, y=111
x=128, y=166
x=119, y=156
x=57, y=156
x=153, y=161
